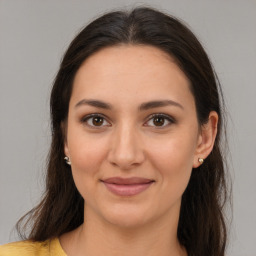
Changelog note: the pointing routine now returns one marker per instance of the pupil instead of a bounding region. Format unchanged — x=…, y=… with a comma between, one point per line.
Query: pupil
x=97, y=121
x=158, y=121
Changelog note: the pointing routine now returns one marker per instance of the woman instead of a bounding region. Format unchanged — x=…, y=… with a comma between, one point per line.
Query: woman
x=135, y=166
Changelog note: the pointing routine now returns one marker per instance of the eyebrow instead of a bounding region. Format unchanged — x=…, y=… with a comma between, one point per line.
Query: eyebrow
x=159, y=103
x=143, y=106
x=94, y=103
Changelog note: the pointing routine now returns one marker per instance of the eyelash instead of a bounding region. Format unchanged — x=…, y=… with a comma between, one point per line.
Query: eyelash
x=85, y=119
x=169, y=119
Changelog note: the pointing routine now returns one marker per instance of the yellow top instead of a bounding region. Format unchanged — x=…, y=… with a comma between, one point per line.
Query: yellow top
x=29, y=248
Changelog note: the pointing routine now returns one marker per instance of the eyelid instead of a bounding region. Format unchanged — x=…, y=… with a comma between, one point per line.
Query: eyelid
x=170, y=119
x=84, y=120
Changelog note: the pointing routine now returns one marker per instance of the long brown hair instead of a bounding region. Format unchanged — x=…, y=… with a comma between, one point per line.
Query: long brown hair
x=201, y=228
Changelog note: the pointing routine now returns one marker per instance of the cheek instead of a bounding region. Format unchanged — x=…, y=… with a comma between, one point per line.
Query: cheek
x=173, y=160
x=87, y=155
x=174, y=151
x=85, y=150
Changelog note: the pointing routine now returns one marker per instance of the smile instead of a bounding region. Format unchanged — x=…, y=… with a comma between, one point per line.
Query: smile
x=127, y=187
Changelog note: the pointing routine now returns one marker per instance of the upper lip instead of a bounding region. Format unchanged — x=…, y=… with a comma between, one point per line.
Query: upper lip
x=127, y=181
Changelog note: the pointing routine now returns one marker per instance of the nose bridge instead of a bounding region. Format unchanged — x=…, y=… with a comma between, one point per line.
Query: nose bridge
x=126, y=148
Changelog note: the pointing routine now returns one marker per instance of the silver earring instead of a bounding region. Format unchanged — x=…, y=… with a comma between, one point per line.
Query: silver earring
x=67, y=160
x=201, y=160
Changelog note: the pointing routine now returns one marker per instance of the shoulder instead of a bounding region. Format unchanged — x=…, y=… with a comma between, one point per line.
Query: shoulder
x=30, y=248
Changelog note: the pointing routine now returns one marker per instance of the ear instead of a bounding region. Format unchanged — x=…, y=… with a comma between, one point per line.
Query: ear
x=206, y=138
x=66, y=150
x=64, y=135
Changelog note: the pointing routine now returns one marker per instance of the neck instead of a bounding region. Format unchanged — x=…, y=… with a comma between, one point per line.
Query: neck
x=96, y=238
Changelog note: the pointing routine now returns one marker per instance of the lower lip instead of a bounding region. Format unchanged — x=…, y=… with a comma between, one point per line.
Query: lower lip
x=127, y=190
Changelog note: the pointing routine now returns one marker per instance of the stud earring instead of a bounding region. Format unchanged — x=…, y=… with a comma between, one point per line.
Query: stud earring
x=201, y=160
x=67, y=160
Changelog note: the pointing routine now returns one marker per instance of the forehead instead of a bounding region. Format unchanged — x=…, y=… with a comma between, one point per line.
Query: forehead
x=138, y=72
x=142, y=57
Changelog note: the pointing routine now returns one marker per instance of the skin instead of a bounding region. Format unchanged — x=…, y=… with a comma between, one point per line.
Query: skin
x=129, y=142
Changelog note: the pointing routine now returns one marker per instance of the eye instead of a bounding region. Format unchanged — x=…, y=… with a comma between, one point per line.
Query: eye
x=159, y=120
x=95, y=120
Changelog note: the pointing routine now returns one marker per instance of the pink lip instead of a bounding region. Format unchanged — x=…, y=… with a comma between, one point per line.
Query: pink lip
x=127, y=186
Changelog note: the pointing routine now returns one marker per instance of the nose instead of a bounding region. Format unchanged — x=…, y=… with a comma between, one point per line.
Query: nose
x=126, y=149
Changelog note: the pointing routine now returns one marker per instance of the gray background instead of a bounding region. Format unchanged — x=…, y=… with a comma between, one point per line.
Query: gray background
x=33, y=37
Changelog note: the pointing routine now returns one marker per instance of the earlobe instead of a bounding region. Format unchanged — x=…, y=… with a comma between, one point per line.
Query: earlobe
x=206, y=139
x=66, y=152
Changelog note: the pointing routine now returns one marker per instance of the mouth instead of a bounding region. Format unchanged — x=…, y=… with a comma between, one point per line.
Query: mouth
x=127, y=186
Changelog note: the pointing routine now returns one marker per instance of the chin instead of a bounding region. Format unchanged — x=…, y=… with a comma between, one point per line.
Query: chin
x=127, y=217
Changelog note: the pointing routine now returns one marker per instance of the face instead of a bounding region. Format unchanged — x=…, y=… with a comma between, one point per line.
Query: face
x=132, y=135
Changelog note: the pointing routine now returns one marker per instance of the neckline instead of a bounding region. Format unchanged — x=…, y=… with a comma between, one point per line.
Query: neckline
x=57, y=248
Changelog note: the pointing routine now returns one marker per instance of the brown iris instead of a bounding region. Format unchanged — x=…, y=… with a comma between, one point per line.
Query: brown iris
x=97, y=121
x=159, y=121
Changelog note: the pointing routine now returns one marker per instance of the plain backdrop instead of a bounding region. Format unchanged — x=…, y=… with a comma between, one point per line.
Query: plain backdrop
x=33, y=37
